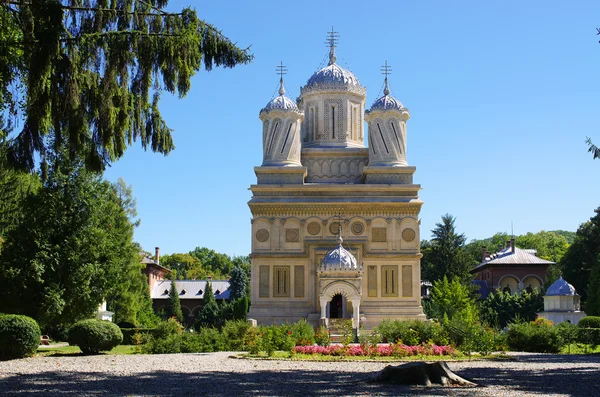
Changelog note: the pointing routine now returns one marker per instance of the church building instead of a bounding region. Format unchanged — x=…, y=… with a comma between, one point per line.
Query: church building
x=335, y=224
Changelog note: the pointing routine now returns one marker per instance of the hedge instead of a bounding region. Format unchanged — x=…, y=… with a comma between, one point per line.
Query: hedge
x=129, y=334
x=93, y=336
x=19, y=336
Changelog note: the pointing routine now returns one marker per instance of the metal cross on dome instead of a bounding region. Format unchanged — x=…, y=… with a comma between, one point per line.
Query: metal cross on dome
x=386, y=70
x=281, y=69
x=332, y=39
x=340, y=217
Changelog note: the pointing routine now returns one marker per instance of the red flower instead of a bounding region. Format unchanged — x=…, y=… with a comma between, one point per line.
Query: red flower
x=289, y=332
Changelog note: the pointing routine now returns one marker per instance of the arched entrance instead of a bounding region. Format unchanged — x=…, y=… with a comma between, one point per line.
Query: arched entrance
x=337, y=306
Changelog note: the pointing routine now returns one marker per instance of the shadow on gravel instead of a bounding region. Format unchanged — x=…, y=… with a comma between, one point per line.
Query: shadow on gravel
x=580, y=380
x=510, y=377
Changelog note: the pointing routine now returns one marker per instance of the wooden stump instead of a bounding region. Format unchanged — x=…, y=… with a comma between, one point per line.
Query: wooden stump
x=420, y=373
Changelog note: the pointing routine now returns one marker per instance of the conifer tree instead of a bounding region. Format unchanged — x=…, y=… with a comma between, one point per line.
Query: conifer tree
x=237, y=283
x=173, y=308
x=88, y=75
x=209, y=315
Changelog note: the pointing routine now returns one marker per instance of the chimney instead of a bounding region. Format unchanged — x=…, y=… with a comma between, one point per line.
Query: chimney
x=512, y=244
x=209, y=278
x=507, y=244
x=157, y=255
x=484, y=253
x=500, y=247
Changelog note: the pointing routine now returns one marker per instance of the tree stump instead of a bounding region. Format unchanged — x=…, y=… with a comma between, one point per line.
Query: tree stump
x=420, y=373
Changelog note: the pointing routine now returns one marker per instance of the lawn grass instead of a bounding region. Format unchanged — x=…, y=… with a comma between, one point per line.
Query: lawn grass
x=66, y=351
x=579, y=348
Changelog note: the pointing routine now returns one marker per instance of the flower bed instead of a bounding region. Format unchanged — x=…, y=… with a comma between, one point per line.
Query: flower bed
x=395, y=350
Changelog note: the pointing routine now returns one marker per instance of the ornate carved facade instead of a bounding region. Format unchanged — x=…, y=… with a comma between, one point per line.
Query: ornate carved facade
x=298, y=197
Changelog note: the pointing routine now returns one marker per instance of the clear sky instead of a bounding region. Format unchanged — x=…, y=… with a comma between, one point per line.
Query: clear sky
x=501, y=94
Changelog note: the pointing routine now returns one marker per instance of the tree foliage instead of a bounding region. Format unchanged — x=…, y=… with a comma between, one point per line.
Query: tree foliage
x=581, y=264
x=238, y=283
x=88, y=75
x=209, y=315
x=445, y=254
x=501, y=308
x=72, y=249
x=452, y=299
x=173, y=309
x=593, y=149
x=203, y=262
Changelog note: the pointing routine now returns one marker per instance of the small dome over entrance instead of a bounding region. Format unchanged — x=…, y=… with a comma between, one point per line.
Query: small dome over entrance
x=339, y=259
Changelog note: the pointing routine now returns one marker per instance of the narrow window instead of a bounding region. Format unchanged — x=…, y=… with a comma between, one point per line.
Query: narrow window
x=407, y=281
x=397, y=139
x=286, y=138
x=382, y=139
x=371, y=144
x=352, y=123
x=333, y=122
x=263, y=287
x=311, y=122
x=299, y=281
x=372, y=281
x=272, y=138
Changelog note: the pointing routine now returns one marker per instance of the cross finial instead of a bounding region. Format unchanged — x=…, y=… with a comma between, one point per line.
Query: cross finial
x=386, y=70
x=281, y=70
x=340, y=218
x=332, y=39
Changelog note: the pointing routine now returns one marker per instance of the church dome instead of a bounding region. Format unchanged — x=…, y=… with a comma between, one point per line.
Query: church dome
x=561, y=288
x=333, y=75
x=339, y=259
x=387, y=102
x=281, y=102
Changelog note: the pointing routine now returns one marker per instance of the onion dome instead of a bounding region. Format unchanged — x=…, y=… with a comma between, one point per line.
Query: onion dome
x=387, y=102
x=333, y=77
x=281, y=102
x=339, y=259
x=561, y=288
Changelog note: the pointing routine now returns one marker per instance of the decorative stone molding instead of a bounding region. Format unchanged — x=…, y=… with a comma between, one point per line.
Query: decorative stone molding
x=292, y=235
x=262, y=235
x=334, y=228
x=357, y=228
x=408, y=235
x=379, y=234
x=313, y=228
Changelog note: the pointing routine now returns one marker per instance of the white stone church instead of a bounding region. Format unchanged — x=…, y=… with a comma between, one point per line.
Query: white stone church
x=335, y=224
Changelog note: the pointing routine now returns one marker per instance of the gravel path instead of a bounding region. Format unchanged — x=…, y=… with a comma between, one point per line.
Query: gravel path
x=215, y=374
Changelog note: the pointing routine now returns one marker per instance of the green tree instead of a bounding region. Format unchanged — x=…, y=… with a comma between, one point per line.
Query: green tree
x=581, y=259
x=500, y=309
x=88, y=75
x=593, y=149
x=72, y=249
x=445, y=254
x=173, y=308
x=238, y=283
x=128, y=202
x=209, y=315
x=452, y=299
x=183, y=266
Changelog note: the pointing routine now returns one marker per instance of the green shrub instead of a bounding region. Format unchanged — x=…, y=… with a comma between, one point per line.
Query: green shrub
x=19, y=336
x=538, y=336
x=206, y=340
x=303, y=333
x=169, y=344
x=322, y=336
x=589, y=322
x=93, y=336
x=233, y=334
x=167, y=328
x=412, y=332
x=129, y=334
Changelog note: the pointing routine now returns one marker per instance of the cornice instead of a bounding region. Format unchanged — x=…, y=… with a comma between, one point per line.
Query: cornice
x=329, y=210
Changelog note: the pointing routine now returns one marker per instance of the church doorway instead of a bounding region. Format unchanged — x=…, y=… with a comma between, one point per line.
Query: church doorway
x=336, y=306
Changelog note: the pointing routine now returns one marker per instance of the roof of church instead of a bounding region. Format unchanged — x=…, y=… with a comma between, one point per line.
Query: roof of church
x=281, y=102
x=561, y=287
x=191, y=289
x=506, y=256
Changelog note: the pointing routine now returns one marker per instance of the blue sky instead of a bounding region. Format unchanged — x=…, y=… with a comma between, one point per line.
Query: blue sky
x=502, y=96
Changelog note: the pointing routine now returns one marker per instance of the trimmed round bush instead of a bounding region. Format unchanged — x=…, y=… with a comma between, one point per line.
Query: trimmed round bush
x=589, y=322
x=93, y=336
x=19, y=336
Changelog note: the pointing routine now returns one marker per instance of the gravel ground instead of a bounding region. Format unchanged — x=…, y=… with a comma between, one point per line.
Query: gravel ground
x=215, y=374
